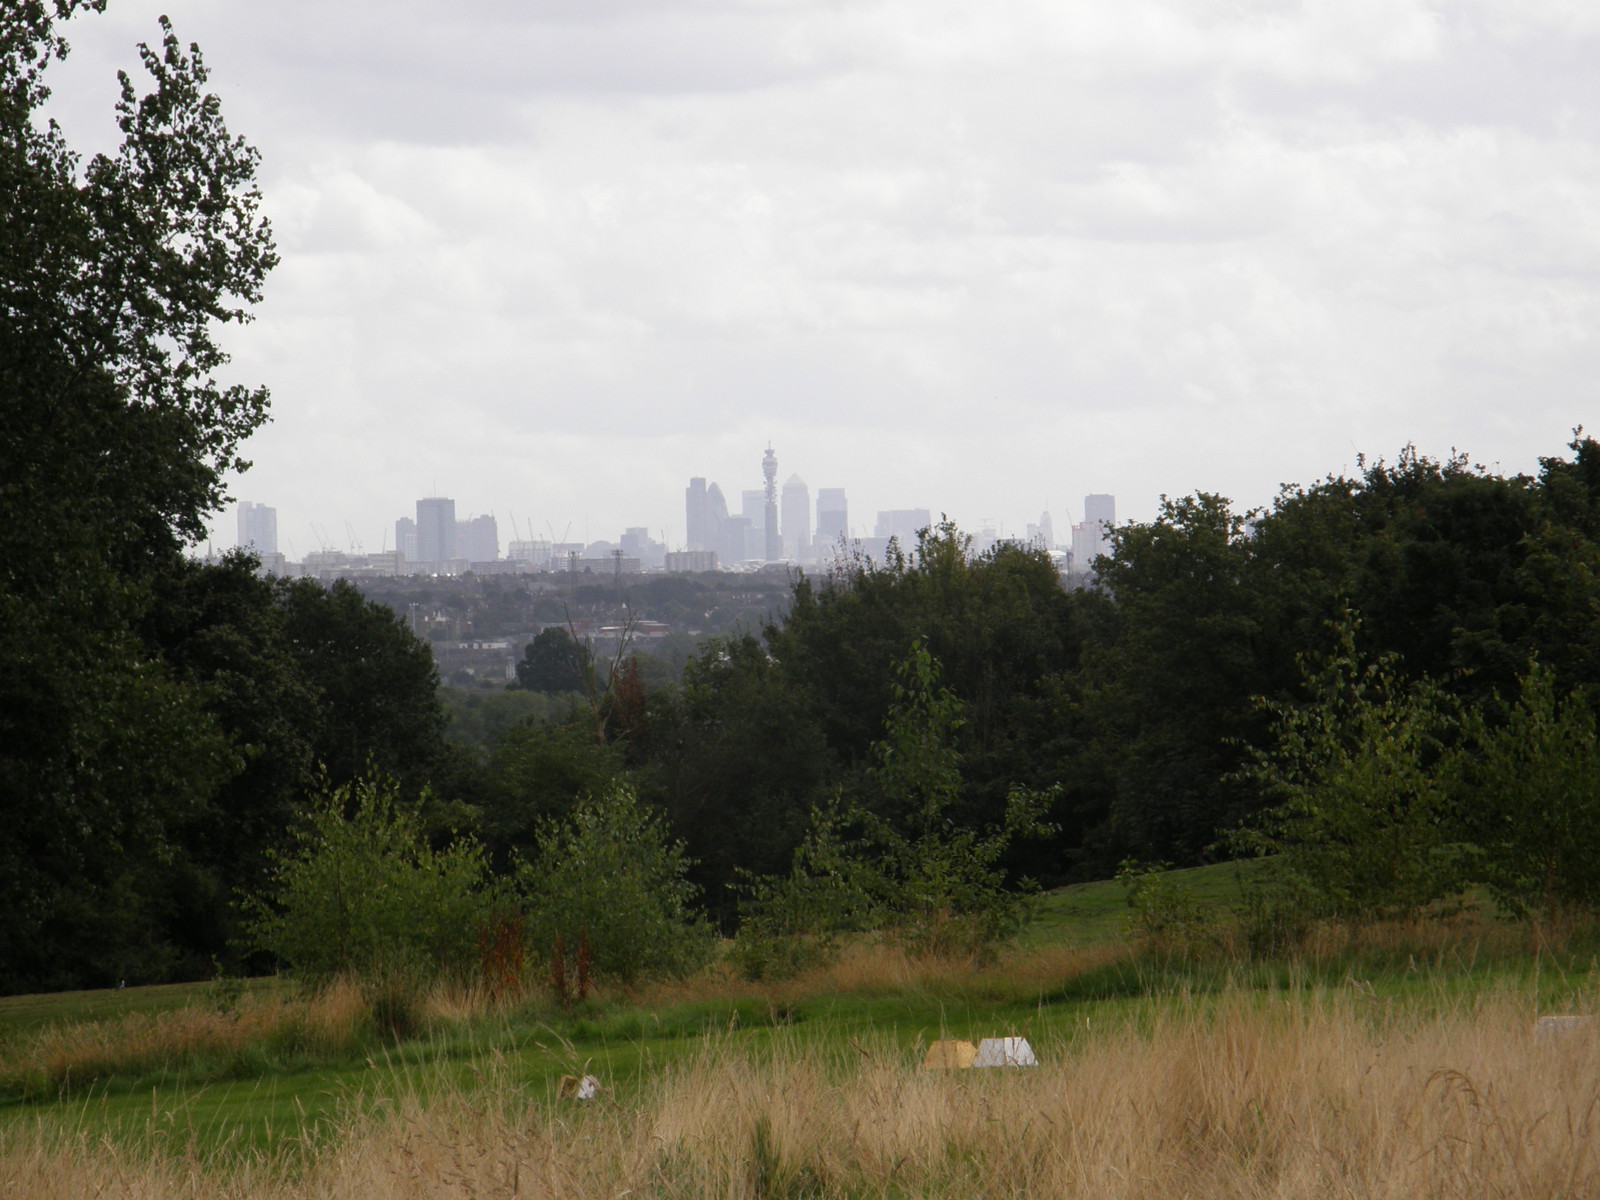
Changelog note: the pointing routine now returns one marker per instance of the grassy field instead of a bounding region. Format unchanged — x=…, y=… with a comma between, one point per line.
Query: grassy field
x=194, y=1090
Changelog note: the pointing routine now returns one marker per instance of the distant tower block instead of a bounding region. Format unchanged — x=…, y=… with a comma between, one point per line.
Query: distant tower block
x=769, y=468
x=1089, y=540
x=258, y=527
x=436, y=529
x=796, y=519
x=833, y=520
x=699, y=534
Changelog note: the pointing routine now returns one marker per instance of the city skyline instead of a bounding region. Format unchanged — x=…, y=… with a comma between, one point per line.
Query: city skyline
x=1157, y=247
x=764, y=525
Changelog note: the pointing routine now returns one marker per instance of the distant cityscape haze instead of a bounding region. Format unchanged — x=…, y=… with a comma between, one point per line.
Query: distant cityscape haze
x=772, y=525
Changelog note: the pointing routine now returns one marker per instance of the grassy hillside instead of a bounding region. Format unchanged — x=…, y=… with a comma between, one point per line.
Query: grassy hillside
x=269, y=1072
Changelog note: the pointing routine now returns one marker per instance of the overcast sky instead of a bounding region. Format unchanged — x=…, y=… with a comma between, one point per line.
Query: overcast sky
x=553, y=257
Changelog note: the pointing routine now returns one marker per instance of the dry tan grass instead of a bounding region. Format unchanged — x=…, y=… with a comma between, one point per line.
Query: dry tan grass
x=1278, y=1099
x=327, y=1023
x=872, y=967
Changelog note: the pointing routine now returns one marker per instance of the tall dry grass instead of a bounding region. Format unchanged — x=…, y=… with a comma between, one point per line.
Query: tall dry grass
x=329, y=1024
x=1309, y=1095
x=871, y=967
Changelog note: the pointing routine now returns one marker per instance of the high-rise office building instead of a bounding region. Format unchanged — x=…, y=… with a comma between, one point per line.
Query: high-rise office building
x=698, y=532
x=833, y=519
x=1100, y=509
x=796, y=519
x=478, y=539
x=903, y=524
x=1089, y=539
x=738, y=540
x=716, y=510
x=1044, y=533
x=405, y=538
x=258, y=527
x=436, y=530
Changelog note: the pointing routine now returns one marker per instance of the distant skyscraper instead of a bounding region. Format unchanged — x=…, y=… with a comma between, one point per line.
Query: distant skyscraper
x=753, y=507
x=716, y=509
x=478, y=539
x=903, y=524
x=796, y=519
x=405, y=538
x=738, y=538
x=436, y=530
x=717, y=527
x=1100, y=509
x=258, y=527
x=1089, y=540
x=833, y=519
x=698, y=532
x=769, y=469
x=1044, y=533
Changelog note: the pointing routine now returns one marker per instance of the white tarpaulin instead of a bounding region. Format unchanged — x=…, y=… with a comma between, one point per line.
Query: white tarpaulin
x=1005, y=1052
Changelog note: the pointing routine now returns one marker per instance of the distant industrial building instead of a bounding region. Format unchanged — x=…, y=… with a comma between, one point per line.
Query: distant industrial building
x=684, y=562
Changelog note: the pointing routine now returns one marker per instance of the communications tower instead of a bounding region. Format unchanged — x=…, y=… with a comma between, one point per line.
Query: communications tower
x=769, y=468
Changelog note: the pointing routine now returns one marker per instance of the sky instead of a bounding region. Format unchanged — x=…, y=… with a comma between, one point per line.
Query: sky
x=553, y=257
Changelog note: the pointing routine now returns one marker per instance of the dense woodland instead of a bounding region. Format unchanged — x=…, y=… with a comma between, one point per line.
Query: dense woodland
x=167, y=728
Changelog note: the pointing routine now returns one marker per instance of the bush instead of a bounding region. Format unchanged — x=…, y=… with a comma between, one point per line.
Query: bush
x=1533, y=785
x=791, y=923
x=361, y=893
x=1163, y=914
x=1367, y=821
x=936, y=888
x=610, y=869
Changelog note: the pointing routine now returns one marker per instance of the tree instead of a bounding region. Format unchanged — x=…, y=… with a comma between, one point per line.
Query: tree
x=1166, y=687
x=1534, y=787
x=1366, y=818
x=114, y=275
x=555, y=661
x=910, y=869
x=537, y=772
x=609, y=869
x=946, y=891
x=360, y=892
x=376, y=685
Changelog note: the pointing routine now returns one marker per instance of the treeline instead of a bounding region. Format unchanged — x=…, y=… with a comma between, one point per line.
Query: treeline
x=148, y=797
x=1144, y=698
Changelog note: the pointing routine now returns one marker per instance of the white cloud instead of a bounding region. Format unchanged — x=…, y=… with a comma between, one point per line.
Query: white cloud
x=557, y=257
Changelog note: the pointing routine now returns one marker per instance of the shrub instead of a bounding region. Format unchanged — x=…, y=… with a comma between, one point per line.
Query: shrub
x=1163, y=914
x=936, y=888
x=610, y=869
x=1533, y=784
x=360, y=892
x=1367, y=823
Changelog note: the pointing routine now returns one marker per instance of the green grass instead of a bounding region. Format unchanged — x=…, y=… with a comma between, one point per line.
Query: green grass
x=1091, y=914
x=253, y=1104
x=23, y=1015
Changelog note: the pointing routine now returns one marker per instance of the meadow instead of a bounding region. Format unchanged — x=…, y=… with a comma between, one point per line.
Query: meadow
x=1393, y=1060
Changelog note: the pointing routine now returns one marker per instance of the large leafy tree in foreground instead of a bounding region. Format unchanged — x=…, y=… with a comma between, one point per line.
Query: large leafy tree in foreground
x=115, y=275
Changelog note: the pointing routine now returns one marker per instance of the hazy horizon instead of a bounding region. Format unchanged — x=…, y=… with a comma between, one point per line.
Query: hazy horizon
x=555, y=258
